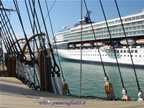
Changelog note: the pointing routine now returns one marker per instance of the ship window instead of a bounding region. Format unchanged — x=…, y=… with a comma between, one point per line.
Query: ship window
x=135, y=55
x=133, y=18
x=139, y=55
x=136, y=51
x=124, y=51
x=121, y=51
x=127, y=51
x=137, y=17
x=131, y=51
x=117, y=51
x=142, y=16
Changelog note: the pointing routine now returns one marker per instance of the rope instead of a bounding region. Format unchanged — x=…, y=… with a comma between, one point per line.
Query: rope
x=32, y=26
x=112, y=44
x=24, y=57
x=54, y=40
x=47, y=36
x=139, y=89
x=6, y=47
x=81, y=11
x=40, y=38
x=20, y=19
x=32, y=56
x=8, y=41
x=7, y=31
x=49, y=10
x=105, y=74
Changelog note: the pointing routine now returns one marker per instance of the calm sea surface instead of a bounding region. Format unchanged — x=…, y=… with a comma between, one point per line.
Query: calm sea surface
x=93, y=79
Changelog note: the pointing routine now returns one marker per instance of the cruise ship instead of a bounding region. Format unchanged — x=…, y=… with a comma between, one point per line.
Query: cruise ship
x=70, y=46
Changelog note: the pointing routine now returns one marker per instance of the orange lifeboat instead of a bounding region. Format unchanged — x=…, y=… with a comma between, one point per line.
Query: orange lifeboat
x=78, y=44
x=140, y=41
x=87, y=44
x=71, y=45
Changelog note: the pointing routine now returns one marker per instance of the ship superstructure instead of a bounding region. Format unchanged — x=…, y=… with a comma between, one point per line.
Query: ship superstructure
x=68, y=41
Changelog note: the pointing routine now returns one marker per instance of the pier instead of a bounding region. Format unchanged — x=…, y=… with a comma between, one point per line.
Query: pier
x=14, y=94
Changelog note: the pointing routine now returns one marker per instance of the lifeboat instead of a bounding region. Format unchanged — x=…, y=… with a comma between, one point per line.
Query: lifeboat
x=78, y=44
x=86, y=44
x=99, y=43
x=71, y=45
x=140, y=41
x=127, y=41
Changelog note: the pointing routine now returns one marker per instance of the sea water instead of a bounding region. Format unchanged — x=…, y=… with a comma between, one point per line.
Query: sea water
x=93, y=79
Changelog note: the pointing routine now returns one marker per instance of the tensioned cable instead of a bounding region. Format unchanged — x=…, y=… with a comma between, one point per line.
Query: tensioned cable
x=112, y=44
x=32, y=56
x=6, y=47
x=139, y=89
x=33, y=30
x=8, y=35
x=31, y=10
x=20, y=19
x=24, y=57
x=96, y=43
x=40, y=38
x=49, y=10
x=29, y=14
x=81, y=12
x=31, y=24
x=7, y=30
x=54, y=40
x=7, y=42
x=2, y=34
x=47, y=36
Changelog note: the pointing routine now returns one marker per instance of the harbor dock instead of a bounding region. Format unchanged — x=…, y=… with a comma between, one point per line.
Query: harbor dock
x=14, y=94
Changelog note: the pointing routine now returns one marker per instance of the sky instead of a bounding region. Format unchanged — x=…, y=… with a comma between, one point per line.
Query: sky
x=67, y=12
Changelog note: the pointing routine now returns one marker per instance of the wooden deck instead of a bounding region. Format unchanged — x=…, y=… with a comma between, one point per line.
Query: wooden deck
x=14, y=94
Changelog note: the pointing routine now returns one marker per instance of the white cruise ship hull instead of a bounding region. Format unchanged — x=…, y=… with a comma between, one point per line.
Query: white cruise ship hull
x=92, y=55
